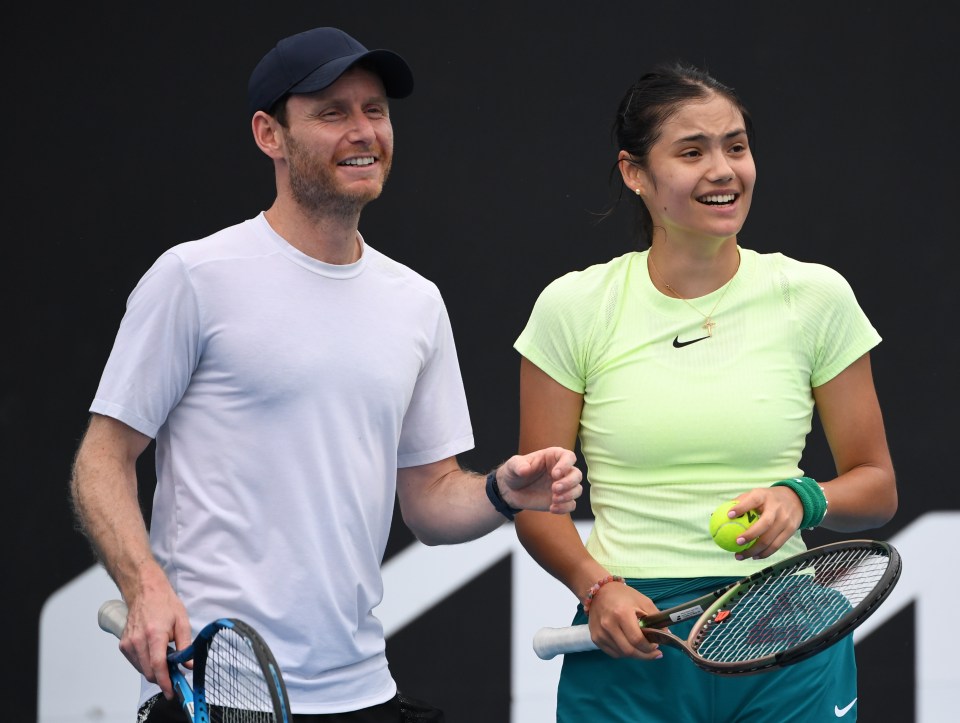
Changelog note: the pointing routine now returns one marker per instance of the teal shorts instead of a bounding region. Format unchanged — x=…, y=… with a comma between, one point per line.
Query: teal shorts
x=596, y=687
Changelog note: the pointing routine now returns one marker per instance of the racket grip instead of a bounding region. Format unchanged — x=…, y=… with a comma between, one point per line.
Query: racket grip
x=113, y=617
x=548, y=642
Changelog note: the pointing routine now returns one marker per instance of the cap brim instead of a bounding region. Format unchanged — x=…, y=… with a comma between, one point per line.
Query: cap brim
x=393, y=71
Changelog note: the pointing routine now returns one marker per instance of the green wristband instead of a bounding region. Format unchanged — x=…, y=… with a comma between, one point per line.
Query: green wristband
x=811, y=497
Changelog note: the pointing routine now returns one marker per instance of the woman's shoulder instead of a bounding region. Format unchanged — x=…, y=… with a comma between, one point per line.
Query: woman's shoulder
x=594, y=278
x=796, y=272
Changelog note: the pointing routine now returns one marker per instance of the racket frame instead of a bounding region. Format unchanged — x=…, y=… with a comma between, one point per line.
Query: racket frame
x=269, y=666
x=706, y=607
x=112, y=618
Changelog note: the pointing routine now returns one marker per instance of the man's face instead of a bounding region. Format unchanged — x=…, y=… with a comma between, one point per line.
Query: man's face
x=339, y=144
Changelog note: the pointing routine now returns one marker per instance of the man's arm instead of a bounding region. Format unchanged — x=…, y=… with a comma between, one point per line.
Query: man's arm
x=444, y=504
x=105, y=499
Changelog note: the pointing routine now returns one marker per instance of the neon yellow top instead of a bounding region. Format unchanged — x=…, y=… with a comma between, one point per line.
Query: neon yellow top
x=674, y=421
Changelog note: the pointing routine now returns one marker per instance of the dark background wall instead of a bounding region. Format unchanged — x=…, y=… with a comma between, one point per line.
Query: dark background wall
x=126, y=132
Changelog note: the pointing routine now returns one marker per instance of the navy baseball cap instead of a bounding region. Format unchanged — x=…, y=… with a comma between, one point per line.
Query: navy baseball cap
x=313, y=60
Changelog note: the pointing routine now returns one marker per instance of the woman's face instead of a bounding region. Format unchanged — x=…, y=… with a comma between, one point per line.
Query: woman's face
x=700, y=174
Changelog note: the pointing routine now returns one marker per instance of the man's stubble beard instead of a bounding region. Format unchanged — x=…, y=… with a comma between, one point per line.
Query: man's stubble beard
x=316, y=190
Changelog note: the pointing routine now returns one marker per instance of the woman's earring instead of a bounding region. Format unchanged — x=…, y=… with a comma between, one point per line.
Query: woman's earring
x=637, y=191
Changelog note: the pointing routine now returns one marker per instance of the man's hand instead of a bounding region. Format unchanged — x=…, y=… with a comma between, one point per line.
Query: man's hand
x=547, y=479
x=155, y=618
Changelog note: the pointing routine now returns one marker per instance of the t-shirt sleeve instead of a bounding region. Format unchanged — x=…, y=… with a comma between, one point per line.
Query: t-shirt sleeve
x=839, y=329
x=155, y=351
x=437, y=422
x=557, y=335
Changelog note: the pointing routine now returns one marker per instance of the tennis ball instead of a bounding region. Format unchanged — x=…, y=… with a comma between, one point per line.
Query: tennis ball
x=725, y=530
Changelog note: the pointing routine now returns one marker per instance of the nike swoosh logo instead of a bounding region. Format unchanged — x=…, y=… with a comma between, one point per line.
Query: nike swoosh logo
x=680, y=344
x=840, y=712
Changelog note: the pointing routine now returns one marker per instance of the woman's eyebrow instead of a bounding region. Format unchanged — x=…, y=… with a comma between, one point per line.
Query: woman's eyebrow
x=701, y=137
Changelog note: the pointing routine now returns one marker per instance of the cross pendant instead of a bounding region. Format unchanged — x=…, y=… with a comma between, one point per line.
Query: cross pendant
x=708, y=325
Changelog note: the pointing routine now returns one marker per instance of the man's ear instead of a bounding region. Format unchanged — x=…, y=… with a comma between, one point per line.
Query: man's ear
x=267, y=134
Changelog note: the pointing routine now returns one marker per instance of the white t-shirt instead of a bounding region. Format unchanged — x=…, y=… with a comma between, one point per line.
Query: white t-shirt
x=283, y=394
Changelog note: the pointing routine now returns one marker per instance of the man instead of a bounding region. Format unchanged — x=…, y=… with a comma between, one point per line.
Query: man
x=295, y=381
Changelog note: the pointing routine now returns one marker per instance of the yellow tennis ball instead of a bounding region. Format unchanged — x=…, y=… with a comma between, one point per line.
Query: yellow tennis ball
x=725, y=530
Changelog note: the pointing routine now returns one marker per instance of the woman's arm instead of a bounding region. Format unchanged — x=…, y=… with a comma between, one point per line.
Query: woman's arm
x=550, y=416
x=864, y=493
x=550, y=411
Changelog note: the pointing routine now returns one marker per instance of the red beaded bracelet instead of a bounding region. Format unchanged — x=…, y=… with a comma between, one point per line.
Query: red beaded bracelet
x=592, y=592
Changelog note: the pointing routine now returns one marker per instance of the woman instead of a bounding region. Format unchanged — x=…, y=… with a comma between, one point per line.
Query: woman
x=690, y=371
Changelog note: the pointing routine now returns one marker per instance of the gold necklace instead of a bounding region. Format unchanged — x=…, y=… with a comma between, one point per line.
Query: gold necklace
x=708, y=322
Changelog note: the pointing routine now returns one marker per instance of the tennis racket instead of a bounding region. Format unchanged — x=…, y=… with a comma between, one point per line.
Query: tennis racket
x=778, y=616
x=235, y=676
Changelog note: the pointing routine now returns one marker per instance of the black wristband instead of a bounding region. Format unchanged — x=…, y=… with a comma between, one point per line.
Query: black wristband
x=493, y=492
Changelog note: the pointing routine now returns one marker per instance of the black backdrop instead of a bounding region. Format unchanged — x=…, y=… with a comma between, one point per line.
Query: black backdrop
x=126, y=132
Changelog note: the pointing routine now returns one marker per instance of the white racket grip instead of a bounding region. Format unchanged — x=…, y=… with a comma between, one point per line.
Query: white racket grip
x=548, y=642
x=113, y=617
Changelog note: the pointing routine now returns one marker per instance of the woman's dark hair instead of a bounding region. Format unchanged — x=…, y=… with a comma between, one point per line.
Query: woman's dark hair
x=649, y=103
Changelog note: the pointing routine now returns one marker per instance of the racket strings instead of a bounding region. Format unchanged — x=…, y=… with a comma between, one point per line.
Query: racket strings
x=791, y=606
x=235, y=685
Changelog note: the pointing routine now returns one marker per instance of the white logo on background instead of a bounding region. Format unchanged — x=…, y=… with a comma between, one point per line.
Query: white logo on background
x=420, y=577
